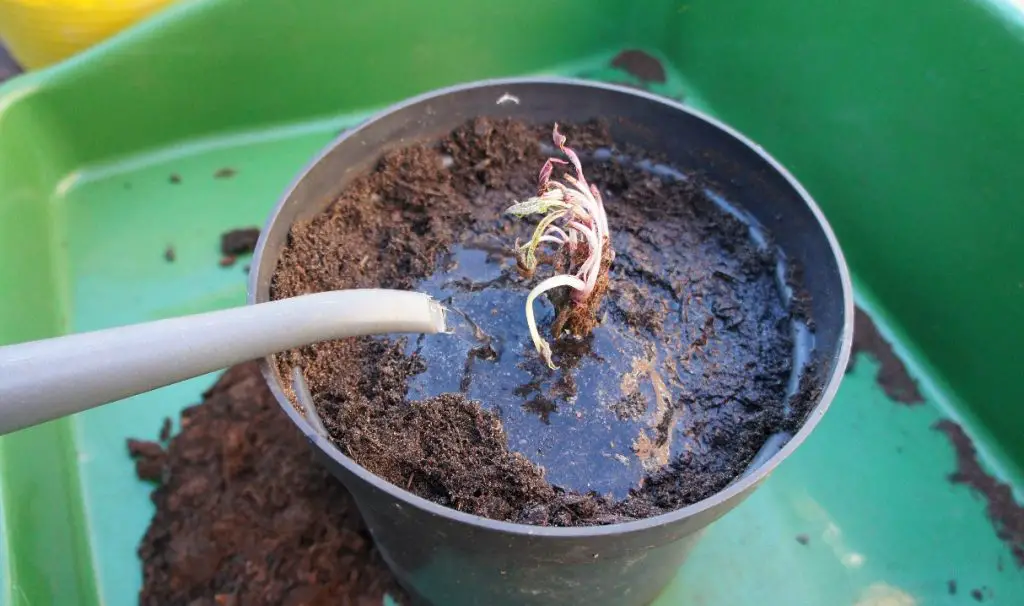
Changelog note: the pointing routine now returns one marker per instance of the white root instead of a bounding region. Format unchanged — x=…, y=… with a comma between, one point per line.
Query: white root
x=531, y=321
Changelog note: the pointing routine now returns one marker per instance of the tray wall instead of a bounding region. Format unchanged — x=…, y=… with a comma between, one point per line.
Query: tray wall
x=903, y=122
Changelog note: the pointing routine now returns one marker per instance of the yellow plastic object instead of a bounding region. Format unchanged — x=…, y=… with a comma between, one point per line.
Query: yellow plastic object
x=40, y=32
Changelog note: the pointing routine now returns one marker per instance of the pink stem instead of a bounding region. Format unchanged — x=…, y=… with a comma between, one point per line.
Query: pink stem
x=560, y=140
x=545, y=171
x=558, y=232
x=595, y=253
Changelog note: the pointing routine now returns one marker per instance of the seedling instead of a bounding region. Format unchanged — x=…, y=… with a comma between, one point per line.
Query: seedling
x=573, y=221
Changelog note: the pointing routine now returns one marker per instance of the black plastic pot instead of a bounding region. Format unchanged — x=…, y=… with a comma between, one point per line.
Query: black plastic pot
x=446, y=557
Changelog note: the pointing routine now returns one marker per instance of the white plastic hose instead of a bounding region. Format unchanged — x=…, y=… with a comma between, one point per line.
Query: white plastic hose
x=51, y=378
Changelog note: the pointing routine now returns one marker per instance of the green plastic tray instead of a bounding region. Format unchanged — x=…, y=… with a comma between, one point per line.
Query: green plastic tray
x=903, y=119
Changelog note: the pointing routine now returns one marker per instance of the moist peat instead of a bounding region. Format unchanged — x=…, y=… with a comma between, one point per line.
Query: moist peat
x=244, y=515
x=688, y=374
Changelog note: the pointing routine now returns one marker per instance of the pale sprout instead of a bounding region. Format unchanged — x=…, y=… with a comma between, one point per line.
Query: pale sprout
x=572, y=216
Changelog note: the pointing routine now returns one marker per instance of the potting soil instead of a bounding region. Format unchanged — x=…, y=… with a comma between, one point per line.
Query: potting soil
x=670, y=398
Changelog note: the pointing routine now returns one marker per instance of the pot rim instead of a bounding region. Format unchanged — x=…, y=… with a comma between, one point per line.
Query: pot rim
x=731, y=491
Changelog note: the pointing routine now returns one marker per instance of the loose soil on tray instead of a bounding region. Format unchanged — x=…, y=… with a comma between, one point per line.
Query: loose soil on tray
x=641, y=65
x=670, y=398
x=245, y=516
x=239, y=241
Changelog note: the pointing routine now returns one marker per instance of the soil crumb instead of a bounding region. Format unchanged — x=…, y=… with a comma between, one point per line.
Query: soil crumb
x=479, y=423
x=640, y=64
x=1006, y=514
x=893, y=376
x=239, y=241
x=166, y=429
x=245, y=515
x=227, y=261
x=149, y=459
x=175, y=178
x=225, y=173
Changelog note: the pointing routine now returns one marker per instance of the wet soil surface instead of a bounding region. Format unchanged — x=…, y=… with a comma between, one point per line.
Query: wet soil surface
x=245, y=516
x=893, y=376
x=687, y=375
